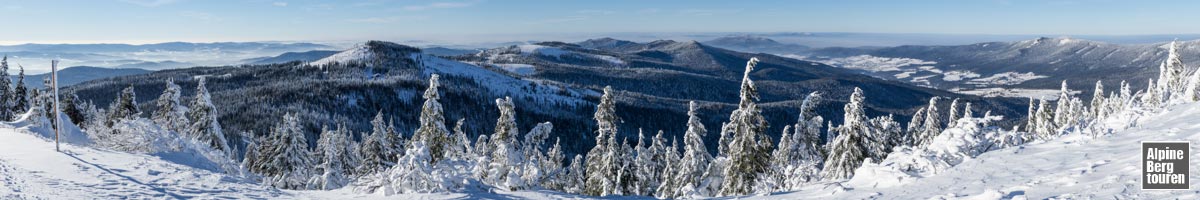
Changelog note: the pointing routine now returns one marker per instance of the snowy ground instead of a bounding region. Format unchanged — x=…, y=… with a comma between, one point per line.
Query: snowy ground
x=1072, y=167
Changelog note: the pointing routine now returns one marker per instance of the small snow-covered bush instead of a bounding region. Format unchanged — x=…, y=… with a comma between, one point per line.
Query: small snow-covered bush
x=967, y=139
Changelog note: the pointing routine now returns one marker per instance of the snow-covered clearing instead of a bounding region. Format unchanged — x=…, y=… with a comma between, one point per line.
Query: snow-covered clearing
x=1048, y=94
x=876, y=64
x=1006, y=78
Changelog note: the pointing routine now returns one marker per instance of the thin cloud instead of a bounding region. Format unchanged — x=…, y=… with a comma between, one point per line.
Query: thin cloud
x=150, y=3
x=439, y=5
x=595, y=12
x=280, y=4
x=388, y=20
x=202, y=16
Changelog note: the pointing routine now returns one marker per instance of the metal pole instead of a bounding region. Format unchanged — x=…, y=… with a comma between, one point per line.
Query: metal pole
x=54, y=84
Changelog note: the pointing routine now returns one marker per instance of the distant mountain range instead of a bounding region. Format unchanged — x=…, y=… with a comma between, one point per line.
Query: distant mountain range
x=549, y=81
x=306, y=56
x=1040, y=63
x=36, y=57
x=757, y=44
x=73, y=75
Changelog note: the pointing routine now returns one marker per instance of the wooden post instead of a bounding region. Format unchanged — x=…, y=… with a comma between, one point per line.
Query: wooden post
x=54, y=84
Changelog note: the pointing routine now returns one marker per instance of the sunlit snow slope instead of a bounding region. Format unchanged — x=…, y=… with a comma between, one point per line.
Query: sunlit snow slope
x=1071, y=167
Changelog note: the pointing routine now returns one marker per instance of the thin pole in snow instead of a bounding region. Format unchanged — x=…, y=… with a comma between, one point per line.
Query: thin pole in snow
x=54, y=84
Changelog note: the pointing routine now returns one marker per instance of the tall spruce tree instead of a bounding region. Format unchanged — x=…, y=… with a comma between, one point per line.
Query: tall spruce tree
x=20, y=102
x=203, y=117
x=6, y=93
x=506, y=155
x=375, y=149
x=847, y=152
x=932, y=125
x=432, y=130
x=125, y=107
x=749, y=151
x=694, y=163
x=602, y=161
x=170, y=114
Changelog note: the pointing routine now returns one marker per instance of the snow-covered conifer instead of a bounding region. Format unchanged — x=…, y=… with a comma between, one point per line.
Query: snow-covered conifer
x=602, y=161
x=695, y=160
x=375, y=149
x=20, y=98
x=203, y=118
x=506, y=154
x=749, y=149
x=170, y=113
x=286, y=162
x=1062, y=111
x=125, y=107
x=932, y=125
x=6, y=93
x=432, y=130
x=914, y=128
x=953, y=113
x=847, y=152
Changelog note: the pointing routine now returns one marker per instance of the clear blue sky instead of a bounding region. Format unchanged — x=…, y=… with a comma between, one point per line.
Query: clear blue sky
x=144, y=21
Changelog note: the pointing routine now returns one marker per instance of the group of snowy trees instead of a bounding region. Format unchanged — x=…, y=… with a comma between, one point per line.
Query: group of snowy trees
x=15, y=98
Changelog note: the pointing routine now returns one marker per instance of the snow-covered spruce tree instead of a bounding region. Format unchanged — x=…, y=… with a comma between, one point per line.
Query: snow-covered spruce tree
x=626, y=177
x=810, y=152
x=915, y=127
x=125, y=107
x=170, y=113
x=932, y=125
x=1190, y=93
x=1030, y=116
x=953, y=113
x=750, y=147
x=695, y=159
x=203, y=117
x=20, y=98
x=506, y=154
x=1173, y=76
x=847, y=152
x=1153, y=96
x=602, y=163
x=531, y=171
x=285, y=162
x=331, y=149
x=459, y=146
x=432, y=130
x=376, y=149
x=554, y=175
x=254, y=147
x=1062, y=115
x=670, y=166
x=780, y=163
x=6, y=93
x=882, y=137
x=483, y=157
x=575, y=176
x=1045, y=128
x=647, y=165
x=1098, y=109
x=413, y=172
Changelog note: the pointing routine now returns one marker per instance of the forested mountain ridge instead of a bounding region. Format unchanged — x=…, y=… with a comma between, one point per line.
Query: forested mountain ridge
x=653, y=82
